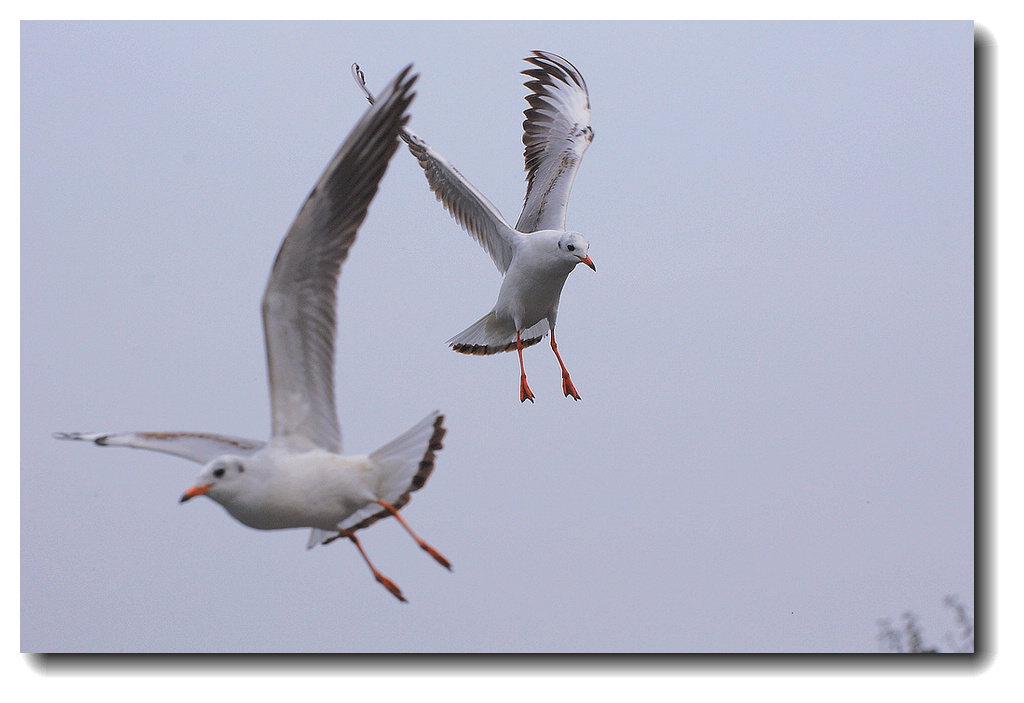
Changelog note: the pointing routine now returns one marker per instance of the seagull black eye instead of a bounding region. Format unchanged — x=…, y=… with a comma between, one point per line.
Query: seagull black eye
x=218, y=473
x=571, y=248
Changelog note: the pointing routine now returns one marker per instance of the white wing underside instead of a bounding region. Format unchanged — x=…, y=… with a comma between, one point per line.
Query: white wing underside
x=299, y=302
x=556, y=132
x=200, y=447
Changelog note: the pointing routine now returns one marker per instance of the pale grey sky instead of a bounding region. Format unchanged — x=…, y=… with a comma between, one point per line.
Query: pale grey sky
x=775, y=443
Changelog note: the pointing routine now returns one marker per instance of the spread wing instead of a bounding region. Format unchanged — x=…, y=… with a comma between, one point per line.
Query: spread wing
x=200, y=447
x=299, y=302
x=556, y=132
x=465, y=203
x=460, y=198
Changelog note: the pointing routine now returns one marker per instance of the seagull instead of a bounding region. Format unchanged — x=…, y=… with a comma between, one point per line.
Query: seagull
x=300, y=477
x=538, y=254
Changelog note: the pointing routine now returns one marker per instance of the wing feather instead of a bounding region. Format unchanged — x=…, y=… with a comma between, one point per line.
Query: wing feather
x=300, y=299
x=556, y=132
x=477, y=215
x=200, y=447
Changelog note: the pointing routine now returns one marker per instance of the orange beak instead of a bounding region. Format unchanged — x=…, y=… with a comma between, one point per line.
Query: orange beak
x=588, y=262
x=197, y=491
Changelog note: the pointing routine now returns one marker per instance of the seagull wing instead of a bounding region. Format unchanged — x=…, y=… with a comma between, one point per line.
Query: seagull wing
x=465, y=203
x=299, y=302
x=200, y=447
x=556, y=132
x=460, y=198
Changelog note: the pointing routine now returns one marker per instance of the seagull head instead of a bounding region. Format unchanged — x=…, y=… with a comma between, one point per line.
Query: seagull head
x=574, y=247
x=222, y=478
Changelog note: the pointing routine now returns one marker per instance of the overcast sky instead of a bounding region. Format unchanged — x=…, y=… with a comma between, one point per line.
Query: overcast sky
x=774, y=448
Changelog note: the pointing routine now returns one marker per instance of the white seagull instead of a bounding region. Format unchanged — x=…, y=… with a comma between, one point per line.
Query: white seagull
x=300, y=478
x=538, y=254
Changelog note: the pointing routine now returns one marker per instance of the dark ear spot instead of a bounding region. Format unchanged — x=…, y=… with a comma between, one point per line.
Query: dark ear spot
x=240, y=468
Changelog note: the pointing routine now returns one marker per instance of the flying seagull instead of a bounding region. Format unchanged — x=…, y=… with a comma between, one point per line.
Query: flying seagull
x=300, y=478
x=538, y=254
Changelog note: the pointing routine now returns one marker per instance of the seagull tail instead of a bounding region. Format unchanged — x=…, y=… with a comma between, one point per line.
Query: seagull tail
x=489, y=336
x=406, y=462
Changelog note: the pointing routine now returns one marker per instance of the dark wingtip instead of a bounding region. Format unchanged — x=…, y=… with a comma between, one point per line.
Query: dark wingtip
x=83, y=437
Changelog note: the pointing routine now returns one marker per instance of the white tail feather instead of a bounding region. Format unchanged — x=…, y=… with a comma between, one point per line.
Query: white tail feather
x=402, y=460
x=318, y=536
x=405, y=464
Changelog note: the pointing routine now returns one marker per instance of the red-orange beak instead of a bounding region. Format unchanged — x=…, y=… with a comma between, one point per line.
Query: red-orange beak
x=197, y=491
x=588, y=262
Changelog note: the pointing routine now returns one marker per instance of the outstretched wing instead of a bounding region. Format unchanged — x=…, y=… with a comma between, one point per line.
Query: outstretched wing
x=299, y=303
x=460, y=198
x=556, y=132
x=200, y=447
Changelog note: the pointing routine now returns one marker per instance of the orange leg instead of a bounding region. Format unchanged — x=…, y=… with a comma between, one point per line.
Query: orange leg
x=423, y=545
x=381, y=578
x=524, y=389
x=567, y=387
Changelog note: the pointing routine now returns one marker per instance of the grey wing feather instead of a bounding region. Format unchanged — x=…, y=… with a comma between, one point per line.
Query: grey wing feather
x=556, y=132
x=465, y=203
x=299, y=303
x=200, y=447
x=460, y=198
